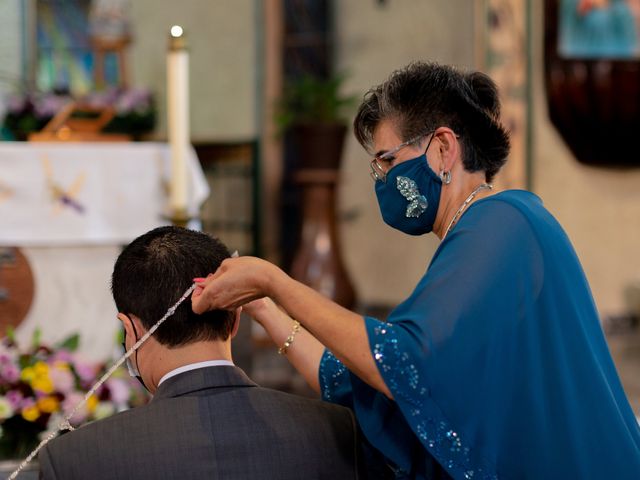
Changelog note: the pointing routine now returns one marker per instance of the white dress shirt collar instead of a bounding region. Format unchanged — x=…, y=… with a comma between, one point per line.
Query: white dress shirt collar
x=194, y=366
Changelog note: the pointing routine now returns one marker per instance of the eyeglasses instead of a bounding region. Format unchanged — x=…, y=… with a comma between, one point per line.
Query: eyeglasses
x=378, y=172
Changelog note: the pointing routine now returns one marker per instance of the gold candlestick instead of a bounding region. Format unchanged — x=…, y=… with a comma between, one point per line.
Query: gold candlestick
x=180, y=217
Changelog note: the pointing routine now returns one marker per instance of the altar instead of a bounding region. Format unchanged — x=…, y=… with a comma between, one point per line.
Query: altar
x=69, y=208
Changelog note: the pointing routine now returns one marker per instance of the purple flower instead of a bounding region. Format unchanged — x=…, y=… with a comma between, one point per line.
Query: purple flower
x=10, y=372
x=70, y=402
x=15, y=399
x=16, y=104
x=48, y=105
x=61, y=356
x=86, y=372
x=101, y=99
x=133, y=100
x=120, y=390
x=62, y=378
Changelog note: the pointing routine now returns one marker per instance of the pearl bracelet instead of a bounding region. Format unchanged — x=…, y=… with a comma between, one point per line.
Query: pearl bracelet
x=287, y=343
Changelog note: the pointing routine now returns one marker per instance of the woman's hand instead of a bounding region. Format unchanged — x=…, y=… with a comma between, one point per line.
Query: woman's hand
x=242, y=280
x=236, y=282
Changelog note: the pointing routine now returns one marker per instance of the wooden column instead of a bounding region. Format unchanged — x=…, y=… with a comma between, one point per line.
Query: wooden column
x=271, y=154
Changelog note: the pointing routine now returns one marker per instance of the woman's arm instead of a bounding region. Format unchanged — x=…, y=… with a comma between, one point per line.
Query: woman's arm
x=304, y=353
x=241, y=280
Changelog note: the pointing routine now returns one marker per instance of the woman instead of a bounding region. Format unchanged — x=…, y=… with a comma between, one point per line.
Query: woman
x=496, y=365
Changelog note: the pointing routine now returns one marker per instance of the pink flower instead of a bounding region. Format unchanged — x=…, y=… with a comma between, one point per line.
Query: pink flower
x=61, y=356
x=119, y=389
x=15, y=399
x=62, y=379
x=10, y=372
x=86, y=372
x=70, y=403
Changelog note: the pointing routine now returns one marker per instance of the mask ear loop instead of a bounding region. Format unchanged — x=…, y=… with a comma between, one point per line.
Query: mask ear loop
x=65, y=423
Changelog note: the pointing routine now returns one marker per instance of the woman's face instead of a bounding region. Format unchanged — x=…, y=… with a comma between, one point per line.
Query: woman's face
x=387, y=141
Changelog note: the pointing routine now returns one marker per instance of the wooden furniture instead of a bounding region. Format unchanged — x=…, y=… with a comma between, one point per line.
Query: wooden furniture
x=16, y=288
x=79, y=123
x=232, y=211
x=101, y=48
x=593, y=102
x=318, y=260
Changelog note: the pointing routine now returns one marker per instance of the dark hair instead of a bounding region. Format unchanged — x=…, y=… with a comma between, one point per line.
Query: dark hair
x=153, y=272
x=424, y=96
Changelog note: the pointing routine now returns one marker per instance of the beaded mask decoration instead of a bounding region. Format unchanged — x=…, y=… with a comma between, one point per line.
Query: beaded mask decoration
x=409, y=190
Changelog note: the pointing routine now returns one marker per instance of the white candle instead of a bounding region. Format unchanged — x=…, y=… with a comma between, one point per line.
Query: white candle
x=178, y=119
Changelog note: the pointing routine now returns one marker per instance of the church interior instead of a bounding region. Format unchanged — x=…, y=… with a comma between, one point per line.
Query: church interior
x=234, y=117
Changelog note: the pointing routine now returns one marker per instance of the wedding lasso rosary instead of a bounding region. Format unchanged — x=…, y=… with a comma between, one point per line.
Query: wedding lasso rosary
x=65, y=423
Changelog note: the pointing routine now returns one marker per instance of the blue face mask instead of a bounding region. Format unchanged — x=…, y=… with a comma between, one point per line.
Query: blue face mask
x=410, y=197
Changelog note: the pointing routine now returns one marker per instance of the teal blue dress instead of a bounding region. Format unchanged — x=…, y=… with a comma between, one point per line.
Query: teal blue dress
x=497, y=362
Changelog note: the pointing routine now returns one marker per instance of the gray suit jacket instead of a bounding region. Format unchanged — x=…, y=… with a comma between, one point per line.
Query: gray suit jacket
x=211, y=423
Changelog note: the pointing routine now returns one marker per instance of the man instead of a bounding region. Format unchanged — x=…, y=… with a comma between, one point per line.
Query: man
x=207, y=419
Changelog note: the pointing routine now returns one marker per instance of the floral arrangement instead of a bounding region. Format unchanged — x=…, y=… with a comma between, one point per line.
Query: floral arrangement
x=30, y=112
x=42, y=384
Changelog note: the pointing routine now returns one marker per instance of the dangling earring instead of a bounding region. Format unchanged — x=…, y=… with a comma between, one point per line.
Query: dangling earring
x=445, y=177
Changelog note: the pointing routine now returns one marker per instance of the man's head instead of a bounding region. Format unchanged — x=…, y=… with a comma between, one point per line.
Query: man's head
x=153, y=272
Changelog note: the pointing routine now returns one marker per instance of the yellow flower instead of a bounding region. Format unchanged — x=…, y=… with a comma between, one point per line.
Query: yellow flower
x=48, y=404
x=92, y=402
x=60, y=365
x=30, y=414
x=41, y=369
x=43, y=384
x=27, y=374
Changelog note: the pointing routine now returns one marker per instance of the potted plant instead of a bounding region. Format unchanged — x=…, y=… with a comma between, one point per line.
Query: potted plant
x=314, y=111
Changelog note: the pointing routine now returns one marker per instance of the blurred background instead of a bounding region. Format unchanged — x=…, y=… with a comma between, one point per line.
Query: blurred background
x=273, y=87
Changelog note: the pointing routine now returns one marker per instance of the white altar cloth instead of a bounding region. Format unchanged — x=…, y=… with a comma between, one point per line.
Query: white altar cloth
x=87, y=193
x=116, y=191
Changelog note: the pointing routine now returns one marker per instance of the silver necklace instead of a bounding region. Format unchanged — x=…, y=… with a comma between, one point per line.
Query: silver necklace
x=479, y=188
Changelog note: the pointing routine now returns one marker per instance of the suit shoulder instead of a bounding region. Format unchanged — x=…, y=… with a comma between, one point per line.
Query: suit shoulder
x=89, y=432
x=291, y=398
x=299, y=405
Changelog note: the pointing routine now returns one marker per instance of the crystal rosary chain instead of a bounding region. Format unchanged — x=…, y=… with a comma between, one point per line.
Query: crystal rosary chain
x=65, y=423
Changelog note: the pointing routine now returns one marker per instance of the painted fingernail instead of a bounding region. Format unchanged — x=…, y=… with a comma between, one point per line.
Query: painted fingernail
x=199, y=279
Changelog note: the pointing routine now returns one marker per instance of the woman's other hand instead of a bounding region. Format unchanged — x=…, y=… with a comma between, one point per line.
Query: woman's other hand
x=236, y=282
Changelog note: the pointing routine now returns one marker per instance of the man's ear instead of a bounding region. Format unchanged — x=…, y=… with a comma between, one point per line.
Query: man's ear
x=236, y=322
x=132, y=326
x=127, y=325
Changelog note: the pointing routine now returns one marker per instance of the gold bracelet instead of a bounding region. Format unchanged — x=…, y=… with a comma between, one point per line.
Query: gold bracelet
x=287, y=343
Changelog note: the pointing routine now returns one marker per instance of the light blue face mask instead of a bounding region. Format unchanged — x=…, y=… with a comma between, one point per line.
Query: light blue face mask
x=410, y=197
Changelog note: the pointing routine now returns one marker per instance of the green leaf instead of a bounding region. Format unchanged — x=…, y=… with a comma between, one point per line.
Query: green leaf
x=311, y=99
x=11, y=334
x=71, y=343
x=36, y=337
x=119, y=336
